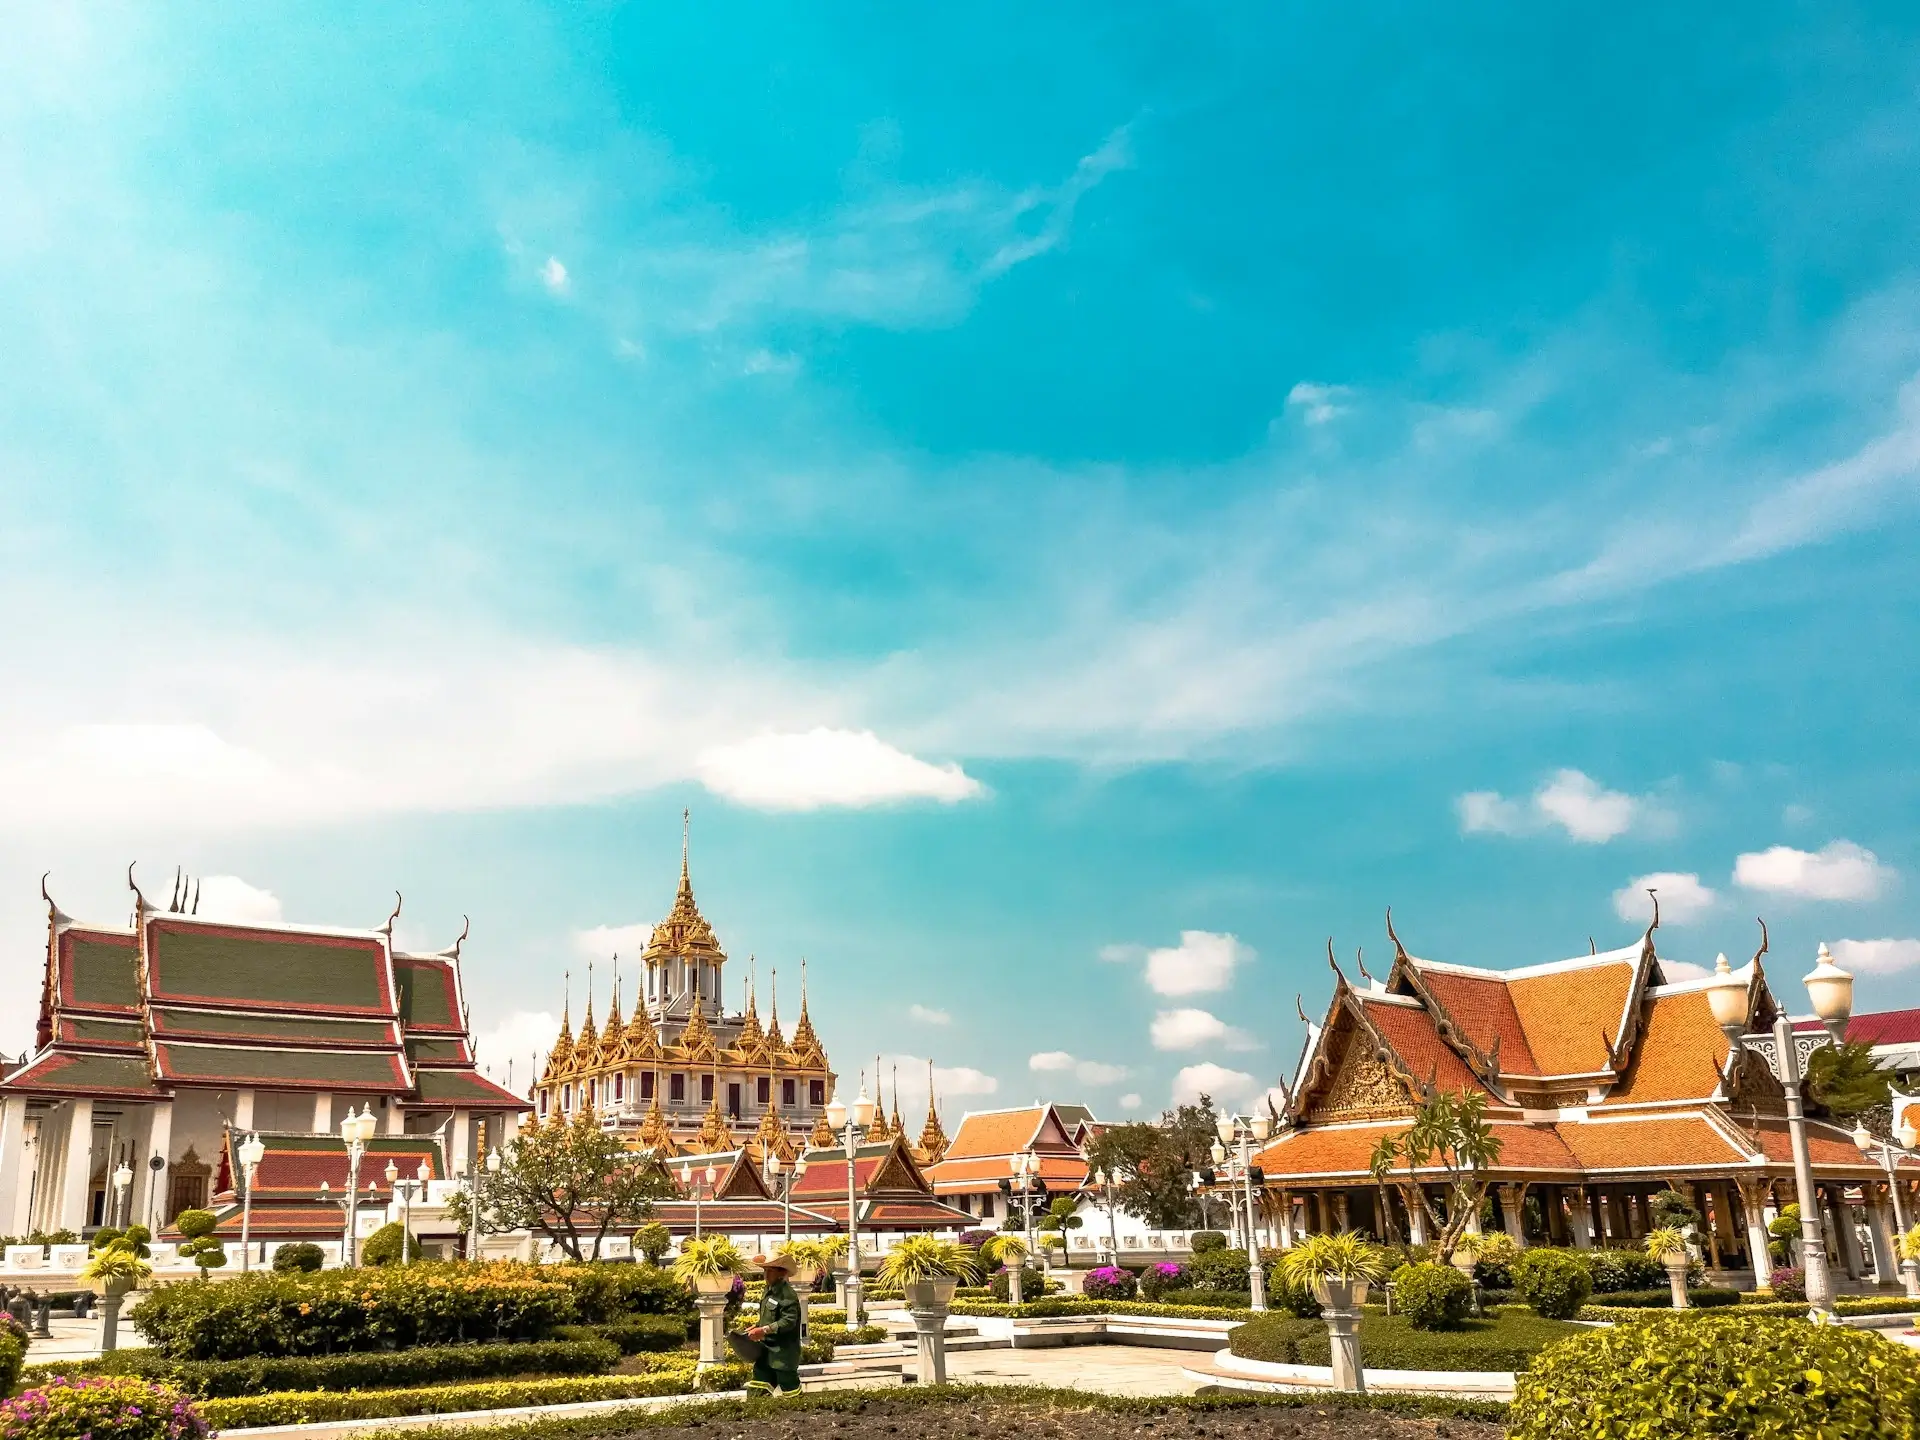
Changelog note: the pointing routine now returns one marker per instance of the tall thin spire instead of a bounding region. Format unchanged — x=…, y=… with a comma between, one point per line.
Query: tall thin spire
x=686, y=838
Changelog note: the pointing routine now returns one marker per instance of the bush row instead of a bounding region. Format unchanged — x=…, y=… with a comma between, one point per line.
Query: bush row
x=635, y=1335
x=1702, y=1297
x=1390, y=1342
x=365, y=1371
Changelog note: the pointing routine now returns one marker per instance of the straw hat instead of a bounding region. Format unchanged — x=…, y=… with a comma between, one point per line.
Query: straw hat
x=773, y=1262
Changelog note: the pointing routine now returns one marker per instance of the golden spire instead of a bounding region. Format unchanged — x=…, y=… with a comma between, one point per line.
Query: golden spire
x=878, y=1131
x=805, y=1049
x=614, y=1036
x=696, y=1040
x=562, y=1051
x=655, y=1134
x=933, y=1136
x=822, y=1137
x=898, y=1128
x=588, y=1041
x=642, y=1043
x=685, y=931
x=751, y=1040
x=714, y=1135
x=775, y=1041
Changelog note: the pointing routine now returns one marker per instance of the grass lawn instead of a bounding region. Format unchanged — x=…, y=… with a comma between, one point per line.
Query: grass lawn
x=1507, y=1341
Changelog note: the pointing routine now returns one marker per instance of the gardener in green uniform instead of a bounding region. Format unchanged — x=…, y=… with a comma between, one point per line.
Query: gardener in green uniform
x=778, y=1367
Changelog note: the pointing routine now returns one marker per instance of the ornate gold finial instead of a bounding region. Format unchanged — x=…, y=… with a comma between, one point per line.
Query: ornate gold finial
x=685, y=932
x=655, y=1134
x=775, y=1040
x=878, y=1131
x=822, y=1136
x=933, y=1136
x=898, y=1128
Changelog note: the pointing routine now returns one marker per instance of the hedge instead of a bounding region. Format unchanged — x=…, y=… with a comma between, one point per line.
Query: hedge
x=609, y=1292
x=222, y=1379
x=306, y=1407
x=395, y=1307
x=1791, y=1309
x=1072, y=1305
x=1389, y=1342
x=1758, y=1377
x=635, y=1335
x=13, y=1352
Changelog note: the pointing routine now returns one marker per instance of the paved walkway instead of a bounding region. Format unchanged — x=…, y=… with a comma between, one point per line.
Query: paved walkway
x=1106, y=1369
x=78, y=1340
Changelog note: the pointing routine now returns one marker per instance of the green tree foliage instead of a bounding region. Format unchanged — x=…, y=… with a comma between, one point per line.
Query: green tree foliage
x=1450, y=1133
x=1672, y=1210
x=198, y=1242
x=1844, y=1081
x=570, y=1181
x=653, y=1240
x=1152, y=1163
x=302, y=1257
x=1432, y=1297
x=382, y=1247
x=1555, y=1283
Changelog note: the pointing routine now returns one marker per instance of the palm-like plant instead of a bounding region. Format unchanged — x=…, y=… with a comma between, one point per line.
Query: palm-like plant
x=119, y=1264
x=1666, y=1242
x=1342, y=1259
x=1910, y=1244
x=1008, y=1250
x=1449, y=1133
x=923, y=1257
x=707, y=1256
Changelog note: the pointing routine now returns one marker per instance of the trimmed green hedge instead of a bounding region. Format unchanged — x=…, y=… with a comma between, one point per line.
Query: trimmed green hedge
x=1073, y=1305
x=1729, y=1373
x=1706, y=1297
x=13, y=1352
x=611, y=1292
x=363, y=1371
x=636, y=1334
x=307, y=1407
x=1778, y=1309
x=1510, y=1341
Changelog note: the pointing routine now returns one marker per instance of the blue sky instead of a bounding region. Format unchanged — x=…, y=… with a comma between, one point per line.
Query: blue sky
x=1083, y=506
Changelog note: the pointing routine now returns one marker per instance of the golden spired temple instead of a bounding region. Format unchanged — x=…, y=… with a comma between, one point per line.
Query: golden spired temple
x=681, y=1075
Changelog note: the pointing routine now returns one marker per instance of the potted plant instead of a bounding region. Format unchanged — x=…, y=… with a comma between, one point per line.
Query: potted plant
x=807, y=1260
x=1466, y=1253
x=1668, y=1245
x=1910, y=1261
x=112, y=1272
x=707, y=1264
x=928, y=1270
x=1009, y=1252
x=1338, y=1269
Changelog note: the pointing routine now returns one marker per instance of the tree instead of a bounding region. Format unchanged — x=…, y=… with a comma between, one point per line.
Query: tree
x=568, y=1180
x=1060, y=1216
x=382, y=1247
x=1152, y=1163
x=1844, y=1081
x=1450, y=1132
x=653, y=1240
x=201, y=1247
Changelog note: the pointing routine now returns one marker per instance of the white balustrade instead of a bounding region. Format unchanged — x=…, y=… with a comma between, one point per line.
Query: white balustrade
x=67, y=1257
x=26, y=1257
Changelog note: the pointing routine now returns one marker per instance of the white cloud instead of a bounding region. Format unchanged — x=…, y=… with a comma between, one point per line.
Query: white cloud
x=228, y=897
x=1571, y=800
x=553, y=274
x=1319, y=403
x=770, y=362
x=605, y=941
x=963, y=1080
x=1122, y=954
x=1679, y=970
x=927, y=1015
x=1203, y=961
x=519, y=1037
x=1130, y=1101
x=1224, y=1085
x=823, y=767
x=1088, y=1072
x=1682, y=898
x=1841, y=870
x=1190, y=1029
x=1876, y=957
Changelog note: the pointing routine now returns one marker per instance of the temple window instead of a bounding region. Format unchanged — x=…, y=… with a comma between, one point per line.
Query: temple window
x=677, y=1088
x=786, y=1093
x=816, y=1092
x=619, y=1087
x=566, y=1098
x=646, y=1085
x=544, y=1096
x=733, y=1100
x=706, y=1089
x=763, y=1089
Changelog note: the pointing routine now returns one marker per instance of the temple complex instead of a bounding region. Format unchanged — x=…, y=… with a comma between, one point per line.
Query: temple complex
x=158, y=1039
x=1604, y=1080
x=681, y=1075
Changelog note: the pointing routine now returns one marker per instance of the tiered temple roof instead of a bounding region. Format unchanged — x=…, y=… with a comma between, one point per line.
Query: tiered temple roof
x=983, y=1148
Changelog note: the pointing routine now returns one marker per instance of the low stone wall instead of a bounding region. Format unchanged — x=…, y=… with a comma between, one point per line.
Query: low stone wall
x=1235, y=1372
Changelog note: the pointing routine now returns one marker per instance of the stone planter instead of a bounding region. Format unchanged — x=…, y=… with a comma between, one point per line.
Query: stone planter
x=111, y=1293
x=927, y=1301
x=720, y=1283
x=1340, y=1302
x=1677, y=1278
x=1910, y=1277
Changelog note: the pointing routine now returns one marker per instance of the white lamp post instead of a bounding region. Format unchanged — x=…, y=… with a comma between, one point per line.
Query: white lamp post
x=355, y=1130
x=1103, y=1182
x=1232, y=1129
x=851, y=1123
x=122, y=1181
x=252, y=1152
x=1831, y=990
x=1026, y=1169
x=480, y=1178
x=1888, y=1154
x=785, y=1177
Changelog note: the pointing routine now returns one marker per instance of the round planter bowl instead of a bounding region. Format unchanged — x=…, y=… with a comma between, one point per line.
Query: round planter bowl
x=933, y=1292
x=109, y=1288
x=1341, y=1294
x=803, y=1276
x=717, y=1284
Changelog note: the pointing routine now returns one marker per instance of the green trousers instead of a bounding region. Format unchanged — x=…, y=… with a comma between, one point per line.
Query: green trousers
x=766, y=1380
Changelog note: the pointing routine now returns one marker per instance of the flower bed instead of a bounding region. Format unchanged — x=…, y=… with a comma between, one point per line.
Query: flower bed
x=1064, y=1305
x=105, y=1407
x=362, y=1371
x=1509, y=1341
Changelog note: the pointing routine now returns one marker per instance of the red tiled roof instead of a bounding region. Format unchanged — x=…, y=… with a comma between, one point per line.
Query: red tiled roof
x=1829, y=1147
x=1409, y=1030
x=1057, y=1172
x=912, y=1214
x=277, y=1222
x=296, y=1165
x=996, y=1132
x=1566, y=1014
x=1484, y=1009
x=60, y=1071
x=747, y=1217
x=1678, y=1055
x=1347, y=1150
x=1881, y=1027
x=1649, y=1143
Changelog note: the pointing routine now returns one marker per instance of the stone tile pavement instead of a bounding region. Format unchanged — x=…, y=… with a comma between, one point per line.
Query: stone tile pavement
x=1105, y=1369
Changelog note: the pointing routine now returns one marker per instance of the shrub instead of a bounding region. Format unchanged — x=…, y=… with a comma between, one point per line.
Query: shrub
x=1390, y=1342
x=1220, y=1269
x=1624, y=1270
x=302, y=1257
x=336, y=1310
x=13, y=1352
x=303, y=1408
x=1109, y=1282
x=635, y=1334
x=1671, y=1209
x=609, y=1292
x=1431, y=1296
x=200, y=1246
x=1758, y=1378
x=109, y=1407
x=1493, y=1261
x=1789, y=1282
x=382, y=1247
x=974, y=1239
x=1701, y=1297
x=424, y=1365
x=1287, y=1295
x=1163, y=1277
x=1555, y=1283
x=1205, y=1240
x=1273, y=1338
x=1032, y=1283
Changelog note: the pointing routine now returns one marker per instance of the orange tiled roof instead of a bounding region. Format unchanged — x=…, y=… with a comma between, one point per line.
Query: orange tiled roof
x=1830, y=1148
x=995, y=1132
x=1565, y=1013
x=1409, y=1030
x=987, y=1171
x=1484, y=1008
x=1678, y=1055
x=1346, y=1150
x=1652, y=1142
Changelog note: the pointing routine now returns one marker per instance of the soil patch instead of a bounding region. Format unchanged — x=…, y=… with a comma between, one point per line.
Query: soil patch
x=974, y=1418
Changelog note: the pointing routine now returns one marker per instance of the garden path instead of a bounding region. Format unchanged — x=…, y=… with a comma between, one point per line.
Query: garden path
x=1104, y=1369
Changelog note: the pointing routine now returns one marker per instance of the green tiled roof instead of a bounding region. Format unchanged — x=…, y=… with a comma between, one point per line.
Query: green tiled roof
x=101, y=971
x=252, y=968
x=432, y=1052
x=426, y=991
x=302, y=1069
x=465, y=1089
x=77, y=1072
x=172, y=1022
x=88, y=1029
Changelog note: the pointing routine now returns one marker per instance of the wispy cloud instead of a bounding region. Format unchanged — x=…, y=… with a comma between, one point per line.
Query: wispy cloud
x=927, y=1015
x=828, y=768
x=1191, y=1029
x=1319, y=404
x=1683, y=898
x=1570, y=801
x=1840, y=870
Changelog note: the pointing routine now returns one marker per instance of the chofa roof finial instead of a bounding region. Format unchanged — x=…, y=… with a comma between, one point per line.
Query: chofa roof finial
x=1656, y=909
x=1360, y=959
x=1399, y=950
x=387, y=929
x=452, y=952
x=1763, y=943
x=139, y=900
x=1297, y=1005
x=1332, y=963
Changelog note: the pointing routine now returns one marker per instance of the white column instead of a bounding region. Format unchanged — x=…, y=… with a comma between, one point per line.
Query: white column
x=14, y=1174
x=79, y=1167
x=243, y=1110
x=462, y=1145
x=1880, y=1229
x=1580, y=1218
x=150, y=1185
x=1416, y=1216
x=509, y=1127
x=1511, y=1197
x=323, y=1113
x=396, y=1118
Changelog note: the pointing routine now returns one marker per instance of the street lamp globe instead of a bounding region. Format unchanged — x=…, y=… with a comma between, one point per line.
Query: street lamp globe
x=1219, y=1153
x=1831, y=990
x=1729, y=997
x=862, y=1109
x=712, y=1175
x=252, y=1151
x=493, y=1161
x=799, y=1167
x=393, y=1172
x=836, y=1115
x=424, y=1171
x=1863, y=1137
x=1225, y=1126
x=1909, y=1137
x=1262, y=1126
x=123, y=1177
x=774, y=1165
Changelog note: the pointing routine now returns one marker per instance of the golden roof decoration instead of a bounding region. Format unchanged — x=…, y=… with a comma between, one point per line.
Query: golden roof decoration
x=751, y=1042
x=771, y=1136
x=933, y=1135
x=589, y=1042
x=805, y=1051
x=685, y=932
x=696, y=1040
x=613, y=1038
x=714, y=1136
x=642, y=1041
x=776, y=1042
x=655, y=1134
x=822, y=1137
x=561, y=1055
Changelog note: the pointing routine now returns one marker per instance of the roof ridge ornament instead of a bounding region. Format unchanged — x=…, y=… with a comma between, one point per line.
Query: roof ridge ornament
x=1360, y=959
x=387, y=929
x=1399, y=950
x=139, y=900
x=452, y=952
x=54, y=913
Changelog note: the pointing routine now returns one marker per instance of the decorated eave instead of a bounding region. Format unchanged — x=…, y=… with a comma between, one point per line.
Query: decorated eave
x=735, y=1176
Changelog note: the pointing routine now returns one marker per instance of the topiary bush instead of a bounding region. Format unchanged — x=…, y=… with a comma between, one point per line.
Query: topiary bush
x=1723, y=1374
x=1789, y=1282
x=1032, y=1283
x=13, y=1352
x=1432, y=1297
x=1109, y=1282
x=609, y=1291
x=382, y=1247
x=1554, y=1282
x=1164, y=1277
x=1203, y=1241
x=198, y=1243
x=109, y=1407
x=1287, y=1295
x=1219, y=1270
x=636, y=1334
x=1624, y=1270
x=302, y=1257
x=653, y=1240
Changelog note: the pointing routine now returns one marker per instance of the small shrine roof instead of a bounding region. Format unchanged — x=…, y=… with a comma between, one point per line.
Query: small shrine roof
x=65, y=1071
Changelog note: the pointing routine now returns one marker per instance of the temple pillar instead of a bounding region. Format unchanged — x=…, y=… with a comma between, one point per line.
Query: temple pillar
x=14, y=1174
x=1416, y=1216
x=1512, y=1216
x=78, y=1170
x=243, y=1110
x=462, y=1143
x=149, y=1183
x=1753, y=1200
x=1580, y=1218
x=1886, y=1270
x=1841, y=1218
x=1284, y=1223
x=1705, y=1202
x=396, y=1118
x=1340, y=1209
x=323, y=1113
